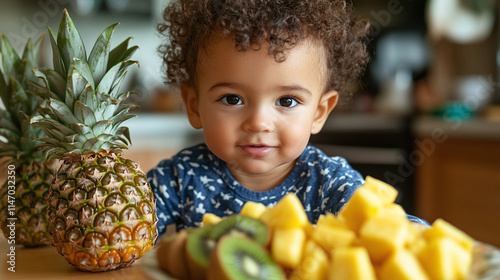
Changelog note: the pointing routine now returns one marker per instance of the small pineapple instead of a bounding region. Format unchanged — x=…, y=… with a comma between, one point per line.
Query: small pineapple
x=22, y=198
x=102, y=212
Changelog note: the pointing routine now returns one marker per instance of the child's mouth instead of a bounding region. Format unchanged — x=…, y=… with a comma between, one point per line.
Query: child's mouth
x=257, y=150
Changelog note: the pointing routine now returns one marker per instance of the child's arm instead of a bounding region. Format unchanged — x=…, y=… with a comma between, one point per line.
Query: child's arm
x=165, y=190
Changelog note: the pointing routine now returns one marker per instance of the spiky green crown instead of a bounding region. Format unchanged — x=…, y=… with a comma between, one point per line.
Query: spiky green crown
x=17, y=135
x=85, y=107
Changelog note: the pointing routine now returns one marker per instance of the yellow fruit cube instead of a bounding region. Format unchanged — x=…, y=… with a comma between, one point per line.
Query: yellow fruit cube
x=415, y=239
x=253, y=209
x=210, y=219
x=444, y=259
x=331, y=220
x=384, y=191
x=394, y=210
x=287, y=246
x=381, y=235
x=351, y=263
x=287, y=213
x=333, y=237
x=363, y=204
x=441, y=228
x=401, y=265
x=309, y=229
x=314, y=264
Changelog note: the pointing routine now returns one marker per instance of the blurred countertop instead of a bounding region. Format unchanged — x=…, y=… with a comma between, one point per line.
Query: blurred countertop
x=472, y=128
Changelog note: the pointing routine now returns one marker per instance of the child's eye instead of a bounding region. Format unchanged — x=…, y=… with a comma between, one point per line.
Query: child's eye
x=287, y=102
x=231, y=99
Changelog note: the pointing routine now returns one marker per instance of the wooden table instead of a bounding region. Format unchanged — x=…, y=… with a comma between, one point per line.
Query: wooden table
x=46, y=263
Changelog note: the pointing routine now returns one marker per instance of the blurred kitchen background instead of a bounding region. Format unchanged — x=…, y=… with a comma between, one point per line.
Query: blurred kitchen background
x=425, y=116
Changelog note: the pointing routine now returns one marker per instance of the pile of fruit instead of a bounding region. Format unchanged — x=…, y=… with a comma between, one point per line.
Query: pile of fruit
x=371, y=238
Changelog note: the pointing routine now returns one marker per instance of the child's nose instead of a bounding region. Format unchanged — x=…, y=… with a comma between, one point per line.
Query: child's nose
x=258, y=120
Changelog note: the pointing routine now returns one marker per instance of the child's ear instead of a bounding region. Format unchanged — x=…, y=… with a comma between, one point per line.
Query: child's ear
x=190, y=99
x=325, y=106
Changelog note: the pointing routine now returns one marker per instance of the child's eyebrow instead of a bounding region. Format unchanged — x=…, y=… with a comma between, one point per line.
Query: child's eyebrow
x=223, y=84
x=295, y=88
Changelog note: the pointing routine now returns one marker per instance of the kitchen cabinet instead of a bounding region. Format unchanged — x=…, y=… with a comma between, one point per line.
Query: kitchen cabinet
x=458, y=177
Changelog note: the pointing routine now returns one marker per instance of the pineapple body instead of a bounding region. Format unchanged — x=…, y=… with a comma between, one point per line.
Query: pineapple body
x=101, y=211
x=100, y=205
x=27, y=187
x=30, y=208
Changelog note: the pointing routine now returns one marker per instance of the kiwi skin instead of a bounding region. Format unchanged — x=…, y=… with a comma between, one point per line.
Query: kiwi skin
x=171, y=255
x=217, y=269
x=242, y=225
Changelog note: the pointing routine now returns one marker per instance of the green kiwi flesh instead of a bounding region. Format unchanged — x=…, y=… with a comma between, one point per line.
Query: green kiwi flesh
x=242, y=225
x=241, y=258
x=199, y=245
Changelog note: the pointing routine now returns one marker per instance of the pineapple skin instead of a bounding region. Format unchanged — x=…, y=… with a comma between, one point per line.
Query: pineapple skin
x=18, y=149
x=31, y=189
x=102, y=213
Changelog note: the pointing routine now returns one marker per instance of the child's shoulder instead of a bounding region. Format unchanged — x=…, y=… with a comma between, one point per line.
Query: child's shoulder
x=315, y=155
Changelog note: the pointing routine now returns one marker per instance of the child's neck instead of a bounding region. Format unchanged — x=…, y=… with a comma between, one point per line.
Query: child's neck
x=264, y=182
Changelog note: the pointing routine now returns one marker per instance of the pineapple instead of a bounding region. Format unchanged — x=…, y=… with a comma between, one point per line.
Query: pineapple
x=23, y=207
x=102, y=212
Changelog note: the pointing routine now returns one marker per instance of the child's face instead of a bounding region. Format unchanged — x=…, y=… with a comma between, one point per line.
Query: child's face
x=257, y=114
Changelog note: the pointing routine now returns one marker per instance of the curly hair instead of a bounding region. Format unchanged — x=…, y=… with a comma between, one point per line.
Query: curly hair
x=189, y=25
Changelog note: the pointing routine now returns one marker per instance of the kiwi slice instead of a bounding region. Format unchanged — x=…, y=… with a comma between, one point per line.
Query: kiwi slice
x=241, y=258
x=199, y=245
x=171, y=255
x=242, y=225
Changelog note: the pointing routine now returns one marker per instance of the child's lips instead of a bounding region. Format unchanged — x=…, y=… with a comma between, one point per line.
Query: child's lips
x=257, y=150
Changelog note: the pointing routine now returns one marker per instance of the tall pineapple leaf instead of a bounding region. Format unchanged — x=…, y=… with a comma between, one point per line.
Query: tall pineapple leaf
x=75, y=85
x=115, y=88
x=83, y=68
x=88, y=97
x=4, y=121
x=69, y=41
x=56, y=57
x=52, y=80
x=108, y=82
x=99, y=56
x=62, y=111
x=31, y=50
x=10, y=59
x=30, y=56
x=84, y=114
x=18, y=99
x=42, y=91
x=52, y=127
x=3, y=89
x=101, y=126
x=120, y=53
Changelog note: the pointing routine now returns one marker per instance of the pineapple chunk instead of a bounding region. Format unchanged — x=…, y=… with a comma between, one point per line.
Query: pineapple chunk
x=287, y=246
x=402, y=265
x=314, y=264
x=331, y=220
x=441, y=228
x=333, y=237
x=363, y=204
x=253, y=209
x=210, y=219
x=381, y=235
x=394, y=210
x=351, y=263
x=287, y=213
x=384, y=191
x=443, y=258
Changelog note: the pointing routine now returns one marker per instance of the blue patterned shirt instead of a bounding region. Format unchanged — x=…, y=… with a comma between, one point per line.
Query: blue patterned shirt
x=195, y=182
